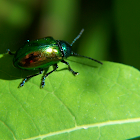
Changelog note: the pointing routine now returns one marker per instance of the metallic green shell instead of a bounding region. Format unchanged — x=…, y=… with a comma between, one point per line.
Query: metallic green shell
x=40, y=53
x=66, y=48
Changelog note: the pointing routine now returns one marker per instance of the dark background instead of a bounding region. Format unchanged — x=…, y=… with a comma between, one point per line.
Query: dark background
x=112, y=27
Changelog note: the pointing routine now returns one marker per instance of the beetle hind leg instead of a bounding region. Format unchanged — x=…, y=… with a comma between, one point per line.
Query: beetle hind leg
x=44, y=77
x=73, y=72
x=28, y=77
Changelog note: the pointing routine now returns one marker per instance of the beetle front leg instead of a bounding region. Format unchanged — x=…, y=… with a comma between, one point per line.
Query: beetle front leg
x=73, y=72
x=44, y=77
x=9, y=52
x=28, y=77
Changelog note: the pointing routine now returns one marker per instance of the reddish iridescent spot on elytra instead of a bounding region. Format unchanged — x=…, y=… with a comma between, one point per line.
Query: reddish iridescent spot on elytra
x=31, y=61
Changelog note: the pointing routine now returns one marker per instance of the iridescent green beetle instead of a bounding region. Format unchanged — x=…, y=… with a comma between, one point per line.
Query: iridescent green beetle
x=42, y=53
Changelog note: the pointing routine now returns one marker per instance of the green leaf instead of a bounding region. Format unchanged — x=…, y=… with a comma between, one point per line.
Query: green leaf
x=127, y=21
x=102, y=102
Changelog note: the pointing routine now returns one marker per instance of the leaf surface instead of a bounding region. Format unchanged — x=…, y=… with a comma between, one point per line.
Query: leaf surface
x=102, y=102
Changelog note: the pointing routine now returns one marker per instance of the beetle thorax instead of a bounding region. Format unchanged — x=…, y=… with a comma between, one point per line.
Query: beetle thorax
x=65, y=48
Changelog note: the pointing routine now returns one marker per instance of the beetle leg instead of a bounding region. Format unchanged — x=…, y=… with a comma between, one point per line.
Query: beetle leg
x=73, y=72
x=44, y=77
x=28, y=77
x=9, y=52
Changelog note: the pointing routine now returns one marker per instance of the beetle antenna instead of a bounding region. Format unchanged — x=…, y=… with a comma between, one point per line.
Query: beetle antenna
x=75, y=54
x=79, y=35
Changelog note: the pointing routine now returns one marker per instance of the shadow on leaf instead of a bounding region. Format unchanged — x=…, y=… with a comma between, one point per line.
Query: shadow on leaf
x=9, y=72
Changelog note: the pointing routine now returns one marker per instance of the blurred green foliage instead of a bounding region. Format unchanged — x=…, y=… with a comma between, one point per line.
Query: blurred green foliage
x=111, y=27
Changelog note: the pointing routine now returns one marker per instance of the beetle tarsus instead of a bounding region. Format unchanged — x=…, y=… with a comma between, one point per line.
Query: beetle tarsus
x=73, y=72
x=22, y=83
x=9, y=52
x=28, y=77
x=43, y=82
x=76, y=73
x=44, y=77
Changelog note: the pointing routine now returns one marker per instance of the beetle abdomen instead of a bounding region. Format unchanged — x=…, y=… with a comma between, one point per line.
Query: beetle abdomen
x=40, y=58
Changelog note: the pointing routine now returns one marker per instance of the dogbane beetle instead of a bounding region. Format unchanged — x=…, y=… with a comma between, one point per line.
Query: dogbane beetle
x=42, y=53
